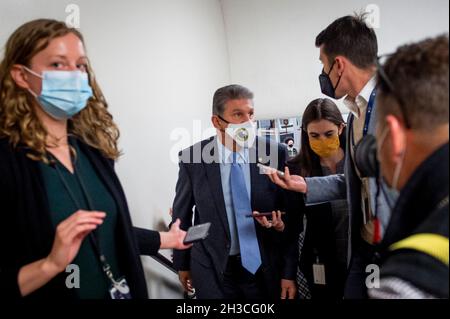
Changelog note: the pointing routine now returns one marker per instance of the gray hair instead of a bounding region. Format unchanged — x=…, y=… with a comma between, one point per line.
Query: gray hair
x=227, y=93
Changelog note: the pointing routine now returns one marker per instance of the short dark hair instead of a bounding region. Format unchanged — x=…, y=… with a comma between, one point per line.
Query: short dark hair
x=227, y=93
x=288, y=139
x=416, y=76
x=350, y=37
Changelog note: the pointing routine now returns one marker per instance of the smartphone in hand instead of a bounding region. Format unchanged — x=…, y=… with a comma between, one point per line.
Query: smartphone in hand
x=267, y=169
x=269, y=214
x=197, y=233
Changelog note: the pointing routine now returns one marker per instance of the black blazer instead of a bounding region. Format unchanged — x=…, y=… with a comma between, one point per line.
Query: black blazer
x=27, y=233
x=199, y=185
x=420, y=209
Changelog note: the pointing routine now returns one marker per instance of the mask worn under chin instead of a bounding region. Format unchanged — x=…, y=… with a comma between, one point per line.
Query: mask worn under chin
x=326, y=86
x=64, y=93
x=244, y=134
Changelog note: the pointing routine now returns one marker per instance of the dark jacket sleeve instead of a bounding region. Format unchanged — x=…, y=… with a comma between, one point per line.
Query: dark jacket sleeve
x=182, y=209
x=9, y=271
x=10, y=285
x=293, y=225
x=149, y=241
x=293, y=222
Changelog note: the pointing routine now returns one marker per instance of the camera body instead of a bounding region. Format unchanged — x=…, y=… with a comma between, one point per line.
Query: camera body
x=366, y=157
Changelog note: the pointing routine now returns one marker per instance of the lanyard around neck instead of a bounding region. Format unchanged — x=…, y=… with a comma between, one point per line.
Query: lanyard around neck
x=95, y=241
x=369, y=112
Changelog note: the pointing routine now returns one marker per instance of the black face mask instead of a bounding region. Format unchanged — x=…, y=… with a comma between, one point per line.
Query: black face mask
x=325, y=83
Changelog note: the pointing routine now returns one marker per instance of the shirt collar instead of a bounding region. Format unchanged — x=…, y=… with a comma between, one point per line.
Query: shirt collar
x=226, y=155
x=358, y=106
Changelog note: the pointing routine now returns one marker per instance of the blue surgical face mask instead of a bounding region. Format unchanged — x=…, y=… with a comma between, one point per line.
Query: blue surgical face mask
x=64, y=93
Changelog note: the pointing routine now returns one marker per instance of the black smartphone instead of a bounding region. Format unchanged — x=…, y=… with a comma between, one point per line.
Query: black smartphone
x=197, y=233
x=266, y=169
x=267, y=214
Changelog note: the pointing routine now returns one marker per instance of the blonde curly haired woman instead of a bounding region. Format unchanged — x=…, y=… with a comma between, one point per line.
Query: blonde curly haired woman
x=61, y=201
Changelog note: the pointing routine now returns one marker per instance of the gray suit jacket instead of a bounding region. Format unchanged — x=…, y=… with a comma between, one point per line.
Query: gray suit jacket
x=348, y=186
x=199, y=199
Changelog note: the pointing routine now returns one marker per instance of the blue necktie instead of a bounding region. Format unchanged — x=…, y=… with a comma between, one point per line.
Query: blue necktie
x=248, y=242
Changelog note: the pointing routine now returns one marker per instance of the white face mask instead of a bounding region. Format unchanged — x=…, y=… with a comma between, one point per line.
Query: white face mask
x=244, y=134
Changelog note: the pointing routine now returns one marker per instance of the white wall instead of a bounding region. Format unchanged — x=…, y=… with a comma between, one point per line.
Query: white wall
x=158, y=63
x=272, y=51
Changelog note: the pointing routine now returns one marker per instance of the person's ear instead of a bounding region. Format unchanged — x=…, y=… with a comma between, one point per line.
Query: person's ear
x=340, y=65
x=396, y=137
x=19, y=76
x=341, y=128
x=216, y=122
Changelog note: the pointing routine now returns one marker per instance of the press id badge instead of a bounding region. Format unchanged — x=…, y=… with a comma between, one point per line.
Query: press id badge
x=319, y=274
x=120, y=290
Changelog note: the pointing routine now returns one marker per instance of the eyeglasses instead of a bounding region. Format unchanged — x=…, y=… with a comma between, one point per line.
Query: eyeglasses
x=384, y=79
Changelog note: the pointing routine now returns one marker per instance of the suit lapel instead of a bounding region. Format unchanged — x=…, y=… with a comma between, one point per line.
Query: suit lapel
x=256, y=179
x=372, y=122
x=254, y=182
x=215, y=183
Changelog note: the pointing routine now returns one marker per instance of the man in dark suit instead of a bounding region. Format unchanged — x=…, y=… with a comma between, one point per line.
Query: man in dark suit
x=348, y=51
x=219, y=182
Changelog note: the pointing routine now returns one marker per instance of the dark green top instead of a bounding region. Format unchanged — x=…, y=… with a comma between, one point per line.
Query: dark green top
x=93, y=282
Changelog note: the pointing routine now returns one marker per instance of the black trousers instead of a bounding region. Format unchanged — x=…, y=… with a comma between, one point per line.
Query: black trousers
x=325, y=241
x=239, y=283
x=363, y=254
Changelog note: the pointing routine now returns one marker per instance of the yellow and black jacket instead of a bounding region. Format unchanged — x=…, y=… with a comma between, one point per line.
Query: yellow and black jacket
x=415, y=248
